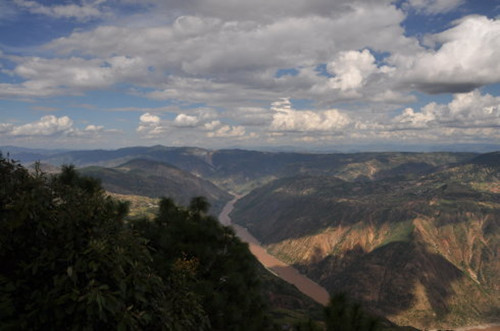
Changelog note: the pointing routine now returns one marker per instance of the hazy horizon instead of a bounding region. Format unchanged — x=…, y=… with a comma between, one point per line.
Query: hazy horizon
x=284, y=149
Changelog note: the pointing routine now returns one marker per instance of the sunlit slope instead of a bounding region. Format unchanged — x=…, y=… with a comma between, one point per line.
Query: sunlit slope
x=421, y=250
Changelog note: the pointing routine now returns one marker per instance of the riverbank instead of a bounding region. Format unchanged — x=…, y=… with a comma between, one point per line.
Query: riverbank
x=278, y=267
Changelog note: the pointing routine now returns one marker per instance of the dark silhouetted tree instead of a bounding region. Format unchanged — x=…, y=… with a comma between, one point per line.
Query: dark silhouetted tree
x=68, y=261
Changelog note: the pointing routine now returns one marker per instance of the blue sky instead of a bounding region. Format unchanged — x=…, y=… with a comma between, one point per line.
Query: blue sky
x=308, y=74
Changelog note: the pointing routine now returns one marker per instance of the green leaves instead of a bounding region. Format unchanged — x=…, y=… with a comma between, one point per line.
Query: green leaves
x=68, y=261
x=208, y=264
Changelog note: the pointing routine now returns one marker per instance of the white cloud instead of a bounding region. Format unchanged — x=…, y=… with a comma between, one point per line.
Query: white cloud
x=411, y=119
x=211, y=126
x=183, y=120
x=466, y=110
x=51, y=126
x=47, y=125
x=435, y=6
x=226, y=131
x=356, y=75
x=351, y=69
x=5, y=128
x=230, y=56
x=287, y=119
x=149, y=118
x=467, y=58
x=150, y=125
x=46, y=77
x=82, y=12
x=93, y=128
x=228, y=60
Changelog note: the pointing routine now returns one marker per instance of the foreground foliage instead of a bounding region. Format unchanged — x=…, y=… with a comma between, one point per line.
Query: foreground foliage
x=70, y=262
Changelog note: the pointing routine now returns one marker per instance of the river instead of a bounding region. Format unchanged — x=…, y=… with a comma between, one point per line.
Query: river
x=289, y=273
x=278, y=267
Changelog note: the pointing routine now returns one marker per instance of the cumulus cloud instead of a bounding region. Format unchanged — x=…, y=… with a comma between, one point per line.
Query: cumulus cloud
x=150, y=125
x=411, y=119
x=183, y=120
x=93, y=128
x=211, y=126
x=287, y=119
x=230, y=56
x=351, y=69
x=356, y=75
x=149, y=118
x=47, y=125
x=227, y=60
x=50, y=126
x=466, y=110
x=201, y=123
x=466, y=58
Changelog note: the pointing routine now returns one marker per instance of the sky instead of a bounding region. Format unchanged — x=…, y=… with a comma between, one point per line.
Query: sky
x=292, y=74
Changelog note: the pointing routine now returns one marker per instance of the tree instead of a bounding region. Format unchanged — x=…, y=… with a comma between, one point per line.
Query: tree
x=223, y=271
x=344, y=315
x=70, y=262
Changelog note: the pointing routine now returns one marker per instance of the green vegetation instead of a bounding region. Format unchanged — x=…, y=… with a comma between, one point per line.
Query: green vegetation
x=343, y=315
x=70, y=262
x=223, y=272
x=401, y=231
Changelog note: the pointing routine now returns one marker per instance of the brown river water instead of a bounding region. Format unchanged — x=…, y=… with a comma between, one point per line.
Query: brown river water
x=281, y=269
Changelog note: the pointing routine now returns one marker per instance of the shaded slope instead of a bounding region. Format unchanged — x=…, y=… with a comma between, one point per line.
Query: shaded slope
x=419, y=250
x=190, y=159
x=156, y=179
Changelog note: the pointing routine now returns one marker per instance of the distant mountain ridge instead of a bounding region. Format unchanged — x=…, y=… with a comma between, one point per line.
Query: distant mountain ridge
x=243, y=170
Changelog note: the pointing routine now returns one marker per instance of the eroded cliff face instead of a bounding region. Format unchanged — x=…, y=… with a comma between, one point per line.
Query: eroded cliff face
x=427, y=276
x=423, y=252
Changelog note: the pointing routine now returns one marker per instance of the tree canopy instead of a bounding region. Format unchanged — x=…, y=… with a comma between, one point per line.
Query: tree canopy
x=70, y=261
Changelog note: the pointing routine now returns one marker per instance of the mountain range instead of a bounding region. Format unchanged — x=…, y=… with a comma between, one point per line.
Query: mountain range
x=414, y=237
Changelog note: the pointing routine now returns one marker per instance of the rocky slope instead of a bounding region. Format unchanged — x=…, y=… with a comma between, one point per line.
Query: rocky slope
x=423, y=251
